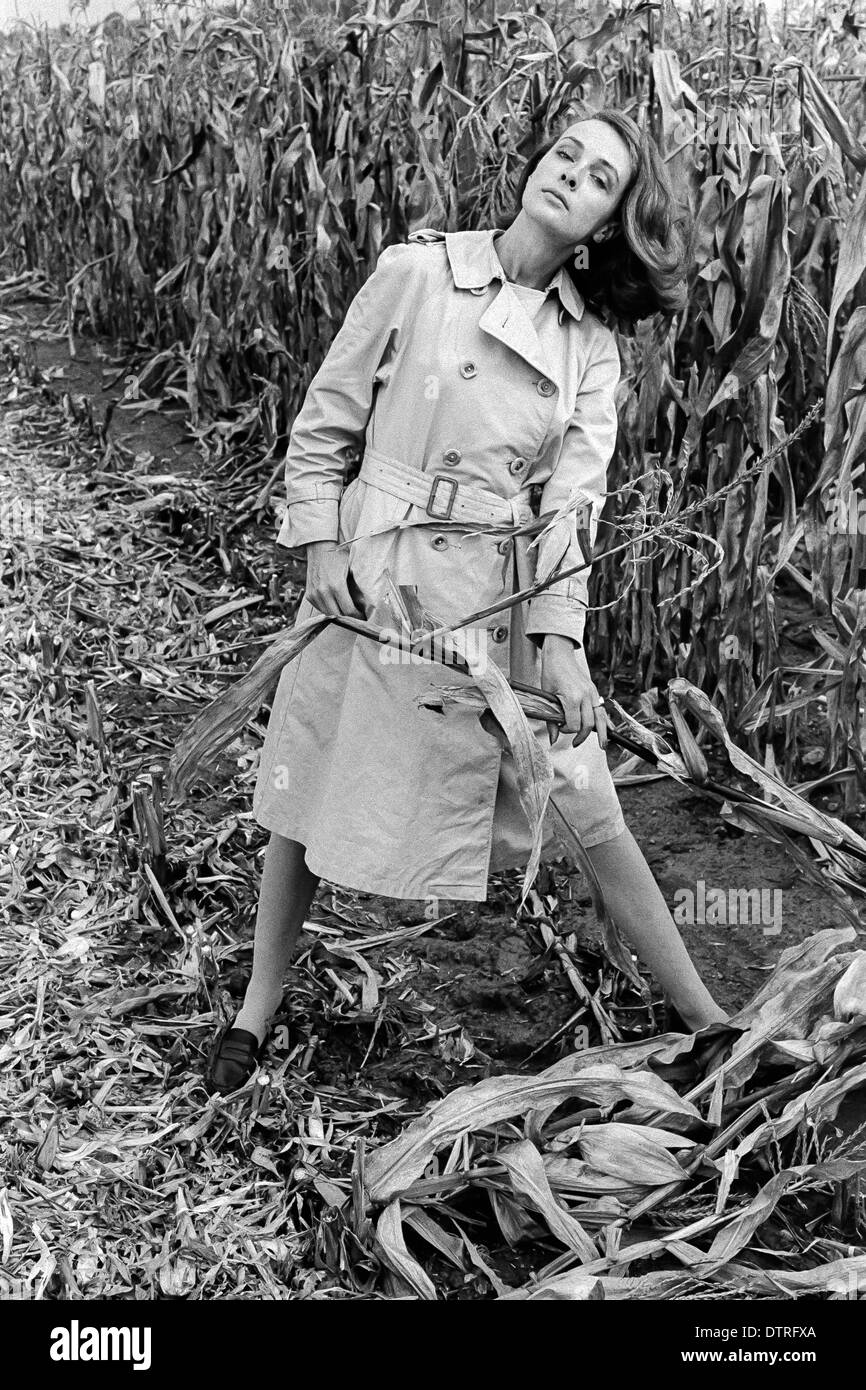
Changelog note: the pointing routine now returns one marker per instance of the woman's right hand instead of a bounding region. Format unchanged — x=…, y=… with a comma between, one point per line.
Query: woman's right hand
x=328, y=580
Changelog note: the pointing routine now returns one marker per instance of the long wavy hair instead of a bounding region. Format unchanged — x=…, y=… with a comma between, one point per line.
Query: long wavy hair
x=641, y=269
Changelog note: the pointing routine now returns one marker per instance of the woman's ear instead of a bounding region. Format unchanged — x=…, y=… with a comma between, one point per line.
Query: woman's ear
x=604, y=233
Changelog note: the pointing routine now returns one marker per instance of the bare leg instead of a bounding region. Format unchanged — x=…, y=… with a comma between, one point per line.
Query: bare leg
x=285, y=895
x=636, y=904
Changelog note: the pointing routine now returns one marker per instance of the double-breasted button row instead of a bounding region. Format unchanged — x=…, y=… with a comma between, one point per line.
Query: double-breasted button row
x=440, y=542
x=452, y=457
x=544, y=387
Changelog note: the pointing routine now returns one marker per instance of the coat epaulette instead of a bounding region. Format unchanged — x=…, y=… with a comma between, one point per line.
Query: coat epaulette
x=426, y=236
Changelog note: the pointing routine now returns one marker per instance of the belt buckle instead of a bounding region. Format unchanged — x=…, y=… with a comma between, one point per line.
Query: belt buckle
x=452, y=483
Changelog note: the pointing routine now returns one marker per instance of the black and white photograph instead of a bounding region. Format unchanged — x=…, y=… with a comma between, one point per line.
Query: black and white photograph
x=432, y=668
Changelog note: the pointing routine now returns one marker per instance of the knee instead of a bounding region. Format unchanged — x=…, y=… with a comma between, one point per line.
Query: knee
x=609, y=851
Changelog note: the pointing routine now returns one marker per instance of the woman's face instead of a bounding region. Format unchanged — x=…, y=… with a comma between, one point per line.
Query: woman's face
x=577, y=187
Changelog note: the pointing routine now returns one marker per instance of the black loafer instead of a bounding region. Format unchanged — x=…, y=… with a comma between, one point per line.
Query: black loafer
x=234, y=1058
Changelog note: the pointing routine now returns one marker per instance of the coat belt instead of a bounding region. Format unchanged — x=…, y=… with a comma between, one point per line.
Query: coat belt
x=441, y=495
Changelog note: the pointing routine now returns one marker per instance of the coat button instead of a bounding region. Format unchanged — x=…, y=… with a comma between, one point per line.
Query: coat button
x=468, y=369
x=517, y=465
x=504, y=546
x=439, y=542
x=477, y=289
x=499, y=634
x=545, y=387
x=451, y=456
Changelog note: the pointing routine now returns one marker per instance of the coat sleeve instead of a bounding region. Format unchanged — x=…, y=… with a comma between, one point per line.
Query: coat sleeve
x=332, y=420
x=586, y=451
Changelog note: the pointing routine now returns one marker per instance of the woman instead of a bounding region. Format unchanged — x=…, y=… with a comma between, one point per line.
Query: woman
x=471, y=368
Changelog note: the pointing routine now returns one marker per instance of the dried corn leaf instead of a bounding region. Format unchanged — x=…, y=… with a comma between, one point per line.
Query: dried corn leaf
x=480, y=1263
x=573, y=1287
x=529, y=1180
x=664, y=1137
x=849, y=996
x=514, y=1222
x=575, y=1175
x=422, y=1222
x=532, y=765
x=851, y=263
x=833, y=831
x=391, y=1168
x=577, y=1287
x=798, y=991
x=371, y=981
x=817, y=98
x=7, y=1227
x=225, y=716
x=604, y=1084
x=847, y=1276
x=822, y=1099
x=391, y=1249
x=738, y=1233
x=627, y=1153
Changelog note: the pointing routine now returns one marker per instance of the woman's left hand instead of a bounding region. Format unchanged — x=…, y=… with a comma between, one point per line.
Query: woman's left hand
x=563, y=674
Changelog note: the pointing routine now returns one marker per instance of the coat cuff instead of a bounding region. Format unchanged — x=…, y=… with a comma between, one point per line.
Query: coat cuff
x=549, y=613
x=308, y=521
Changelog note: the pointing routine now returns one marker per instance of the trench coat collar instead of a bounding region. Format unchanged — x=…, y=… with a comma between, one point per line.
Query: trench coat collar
x=474, y=264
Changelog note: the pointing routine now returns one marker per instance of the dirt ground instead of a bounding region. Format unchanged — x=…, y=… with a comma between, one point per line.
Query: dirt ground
x=480, y=965
x=490, y=990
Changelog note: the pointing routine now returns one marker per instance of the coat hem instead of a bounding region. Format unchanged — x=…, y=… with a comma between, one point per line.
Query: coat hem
x=358, y=883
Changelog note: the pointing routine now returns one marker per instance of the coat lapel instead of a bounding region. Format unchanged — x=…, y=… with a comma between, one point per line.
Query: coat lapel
x=474, y=264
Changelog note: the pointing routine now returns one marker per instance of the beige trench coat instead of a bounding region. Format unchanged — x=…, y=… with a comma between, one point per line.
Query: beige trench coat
x=437, y=369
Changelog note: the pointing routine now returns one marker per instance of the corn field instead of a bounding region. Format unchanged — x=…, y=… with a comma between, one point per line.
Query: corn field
x=207, y=190
x=214, y=189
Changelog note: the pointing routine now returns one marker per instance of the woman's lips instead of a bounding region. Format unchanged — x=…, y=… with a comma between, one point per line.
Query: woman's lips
x=558, y=196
